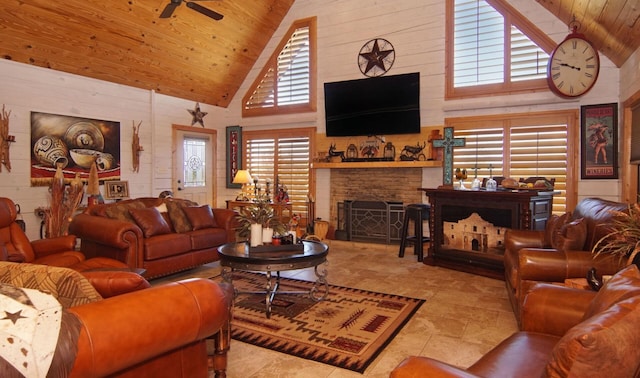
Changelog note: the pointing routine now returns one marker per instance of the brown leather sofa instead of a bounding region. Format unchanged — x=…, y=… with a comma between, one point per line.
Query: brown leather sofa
x=530, y=256
x=566, y=332
x=161, y=235
x=160, y=331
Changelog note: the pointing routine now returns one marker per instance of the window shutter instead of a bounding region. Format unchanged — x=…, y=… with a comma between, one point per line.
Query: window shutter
x=285, y=155
x=516, y=148
x=287, y=82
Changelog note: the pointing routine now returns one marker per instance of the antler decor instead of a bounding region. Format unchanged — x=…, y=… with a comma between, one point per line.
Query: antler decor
x=5, y=139
x=136, y=147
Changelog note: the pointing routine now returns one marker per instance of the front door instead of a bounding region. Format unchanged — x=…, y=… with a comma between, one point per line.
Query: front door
x=194, y=164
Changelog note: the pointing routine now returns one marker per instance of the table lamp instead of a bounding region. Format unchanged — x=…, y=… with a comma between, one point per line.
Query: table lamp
x=243, y=177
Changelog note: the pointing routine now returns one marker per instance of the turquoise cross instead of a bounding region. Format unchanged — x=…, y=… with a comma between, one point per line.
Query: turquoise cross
x=448, y=143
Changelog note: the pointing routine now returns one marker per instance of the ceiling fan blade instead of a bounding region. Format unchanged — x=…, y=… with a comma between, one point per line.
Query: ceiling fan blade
x=168, y=10
x=206, y=11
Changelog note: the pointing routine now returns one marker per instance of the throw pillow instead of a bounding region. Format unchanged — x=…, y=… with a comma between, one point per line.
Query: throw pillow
x=606, y=342
x=623, y=285
x=150, y=221
x=178, y=217
x=200, y=217
x=550, y=229
x=121, y=212
x=571, y=236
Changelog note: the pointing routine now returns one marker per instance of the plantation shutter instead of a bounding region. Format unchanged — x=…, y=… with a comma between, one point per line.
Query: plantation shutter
x=516, y=150
x=286, y=81
x=281, y=155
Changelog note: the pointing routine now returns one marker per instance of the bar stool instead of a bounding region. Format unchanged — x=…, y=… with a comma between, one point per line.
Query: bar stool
x=417, y=213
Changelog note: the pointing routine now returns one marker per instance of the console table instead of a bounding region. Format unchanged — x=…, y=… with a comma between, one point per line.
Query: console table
x=518, y=209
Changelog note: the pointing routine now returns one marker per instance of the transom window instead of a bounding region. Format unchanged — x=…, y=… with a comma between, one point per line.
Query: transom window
x=286, y=84
x=492, y=49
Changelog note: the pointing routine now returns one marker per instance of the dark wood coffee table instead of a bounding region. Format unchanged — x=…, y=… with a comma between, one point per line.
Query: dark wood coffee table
x=313, y=253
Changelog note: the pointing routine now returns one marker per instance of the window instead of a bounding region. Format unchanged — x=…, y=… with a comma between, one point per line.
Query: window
x=284, y=156
x=493, y=49
x=286, y=84
x=521, y=146
x=194, y=162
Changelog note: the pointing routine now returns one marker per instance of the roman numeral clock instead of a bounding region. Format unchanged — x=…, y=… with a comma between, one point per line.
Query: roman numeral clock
x=573, y=66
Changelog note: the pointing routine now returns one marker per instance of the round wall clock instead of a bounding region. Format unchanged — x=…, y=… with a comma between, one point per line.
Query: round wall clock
x=573, y=66
x=376, y=57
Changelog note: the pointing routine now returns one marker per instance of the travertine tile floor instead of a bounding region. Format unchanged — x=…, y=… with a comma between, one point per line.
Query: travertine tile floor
x=464, y=316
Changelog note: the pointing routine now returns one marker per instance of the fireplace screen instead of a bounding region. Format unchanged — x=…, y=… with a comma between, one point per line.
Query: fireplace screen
x=372, y=221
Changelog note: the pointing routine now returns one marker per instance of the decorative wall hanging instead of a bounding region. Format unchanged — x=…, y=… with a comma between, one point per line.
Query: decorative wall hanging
x=136, y=148
x=598, y=141
x=376, y=57
x=117, y=190
x=198, y=115
x=73, y=144
x=5, y=139
x=234, y=154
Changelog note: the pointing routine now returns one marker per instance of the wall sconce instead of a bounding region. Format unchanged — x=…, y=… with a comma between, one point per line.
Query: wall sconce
x=243, y=177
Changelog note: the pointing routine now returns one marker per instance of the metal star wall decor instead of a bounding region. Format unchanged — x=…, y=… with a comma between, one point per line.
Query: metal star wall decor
x=197, y=115
x=376, y=57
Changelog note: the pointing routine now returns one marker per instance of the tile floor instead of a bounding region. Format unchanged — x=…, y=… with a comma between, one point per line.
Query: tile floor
x=464, y=316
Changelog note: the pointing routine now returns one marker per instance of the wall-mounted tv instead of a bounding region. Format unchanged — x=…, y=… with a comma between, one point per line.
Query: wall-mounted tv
x=374, y=106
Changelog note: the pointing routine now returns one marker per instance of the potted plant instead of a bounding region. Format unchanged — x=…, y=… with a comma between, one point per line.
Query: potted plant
x=259, y=215
x=623, y=239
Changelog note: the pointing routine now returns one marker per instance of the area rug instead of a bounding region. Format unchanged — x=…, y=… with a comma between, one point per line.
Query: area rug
x=348, y=329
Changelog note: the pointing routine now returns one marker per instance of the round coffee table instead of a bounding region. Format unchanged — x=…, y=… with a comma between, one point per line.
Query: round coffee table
x=279, y=258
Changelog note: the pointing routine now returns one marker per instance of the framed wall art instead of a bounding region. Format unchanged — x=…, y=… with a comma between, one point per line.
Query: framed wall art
x=234, y=154
x=117, y=189
x=73, y=143
x=599, y=141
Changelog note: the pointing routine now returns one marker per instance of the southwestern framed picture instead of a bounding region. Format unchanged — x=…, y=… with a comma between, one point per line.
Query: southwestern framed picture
x=116, y=189
x=234, y=154
x=599, y=141
x=73, y=144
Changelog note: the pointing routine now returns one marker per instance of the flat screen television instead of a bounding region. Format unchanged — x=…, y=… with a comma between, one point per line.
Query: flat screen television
x=374, y=106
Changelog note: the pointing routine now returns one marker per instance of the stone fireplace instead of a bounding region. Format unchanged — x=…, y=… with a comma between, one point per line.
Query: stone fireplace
x=381, y=185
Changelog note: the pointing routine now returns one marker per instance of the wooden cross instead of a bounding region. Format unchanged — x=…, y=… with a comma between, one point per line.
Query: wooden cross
x=448, y=143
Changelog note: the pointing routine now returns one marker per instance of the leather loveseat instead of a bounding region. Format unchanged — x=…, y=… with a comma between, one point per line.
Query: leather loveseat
x=161, y=331
x=566, y=332
x=540, y=256
x=161, y=235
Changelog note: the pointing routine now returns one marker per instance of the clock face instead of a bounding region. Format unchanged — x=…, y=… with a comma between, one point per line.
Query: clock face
x=376, y=57
x=573, y=67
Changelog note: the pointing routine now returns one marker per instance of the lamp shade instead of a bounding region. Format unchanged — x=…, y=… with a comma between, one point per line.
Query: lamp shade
x=242, y=177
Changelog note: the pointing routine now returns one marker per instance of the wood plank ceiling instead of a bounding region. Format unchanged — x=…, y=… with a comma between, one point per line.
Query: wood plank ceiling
x=611, y=25
x=188, y=55
x=194, y=57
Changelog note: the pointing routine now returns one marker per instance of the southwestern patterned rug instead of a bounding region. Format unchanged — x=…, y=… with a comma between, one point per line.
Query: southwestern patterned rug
x=348, y=329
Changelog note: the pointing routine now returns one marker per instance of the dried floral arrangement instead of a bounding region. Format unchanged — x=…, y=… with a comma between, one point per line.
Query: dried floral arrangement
x=63, y=203
x=624, y=238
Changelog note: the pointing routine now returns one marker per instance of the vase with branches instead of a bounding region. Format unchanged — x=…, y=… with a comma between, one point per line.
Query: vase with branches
x=260, y=212
x=623, y=240
x=64, y=201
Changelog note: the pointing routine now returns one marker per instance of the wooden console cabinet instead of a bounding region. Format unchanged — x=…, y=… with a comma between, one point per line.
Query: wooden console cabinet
x=526, y=209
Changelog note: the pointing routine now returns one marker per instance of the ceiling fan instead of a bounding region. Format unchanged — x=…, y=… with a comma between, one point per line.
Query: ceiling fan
x=168, y=10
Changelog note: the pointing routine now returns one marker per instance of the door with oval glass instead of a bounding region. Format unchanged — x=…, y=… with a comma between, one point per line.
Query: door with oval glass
x=194, y=164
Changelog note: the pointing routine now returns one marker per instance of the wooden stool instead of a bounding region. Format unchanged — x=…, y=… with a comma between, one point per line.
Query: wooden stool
x=418, y=213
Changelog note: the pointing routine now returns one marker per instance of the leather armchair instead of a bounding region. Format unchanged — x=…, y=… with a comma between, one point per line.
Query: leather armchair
x=529, y=255
x=566, y=332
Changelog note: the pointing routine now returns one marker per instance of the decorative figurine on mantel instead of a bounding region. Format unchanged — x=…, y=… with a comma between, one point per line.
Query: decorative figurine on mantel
x=412, y=153
x=334, y=153
x=461, y=174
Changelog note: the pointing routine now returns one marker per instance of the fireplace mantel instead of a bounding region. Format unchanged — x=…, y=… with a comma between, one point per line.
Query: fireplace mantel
x=379, y=164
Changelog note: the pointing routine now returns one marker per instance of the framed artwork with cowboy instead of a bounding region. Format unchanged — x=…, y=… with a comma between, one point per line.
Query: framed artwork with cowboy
x=599, y=141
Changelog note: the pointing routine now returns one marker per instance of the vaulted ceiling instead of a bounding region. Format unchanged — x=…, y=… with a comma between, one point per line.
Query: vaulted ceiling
x=611, y=25
x=188, y=55
x=192, y=56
